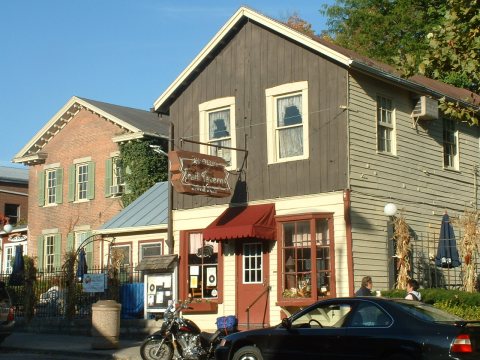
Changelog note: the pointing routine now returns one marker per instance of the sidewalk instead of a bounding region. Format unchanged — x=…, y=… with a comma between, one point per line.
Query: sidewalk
x=70, y=345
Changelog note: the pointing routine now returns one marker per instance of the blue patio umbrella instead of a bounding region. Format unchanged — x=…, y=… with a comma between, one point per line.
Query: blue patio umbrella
x=447, y=252
x=82, y=265
x=17, y=277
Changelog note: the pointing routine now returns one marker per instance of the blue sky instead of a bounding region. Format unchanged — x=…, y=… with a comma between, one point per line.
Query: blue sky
x=124, y=52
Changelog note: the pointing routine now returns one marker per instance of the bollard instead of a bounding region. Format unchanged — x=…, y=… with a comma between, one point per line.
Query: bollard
x=105, y=324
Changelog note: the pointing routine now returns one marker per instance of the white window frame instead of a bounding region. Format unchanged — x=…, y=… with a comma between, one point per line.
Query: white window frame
x=456, y=156
x=227, y=103
x=253, y=268
x=272, y=95
x=80, y=193
x=384, y=125
x=8, y=254
x=51, y=189
x=159, y=244
x=49, y=256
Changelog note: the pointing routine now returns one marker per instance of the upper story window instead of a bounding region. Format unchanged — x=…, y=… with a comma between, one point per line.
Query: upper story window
x=287, y=122
x=450, y=145
x=50, y=186
x=81, y=182
x=114, y=182
x=12, y=211
x=217, y=127
x=306, y=257
x=385, y=125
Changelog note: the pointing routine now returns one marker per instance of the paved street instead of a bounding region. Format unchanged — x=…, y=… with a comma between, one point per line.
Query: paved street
x=23, y=355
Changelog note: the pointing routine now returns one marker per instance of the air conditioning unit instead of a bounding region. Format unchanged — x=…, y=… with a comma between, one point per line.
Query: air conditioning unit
x=426, y=108
x=116, y=189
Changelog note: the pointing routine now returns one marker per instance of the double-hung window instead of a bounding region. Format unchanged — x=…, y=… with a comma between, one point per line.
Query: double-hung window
x=12, y=211
x=287, y=122
x=81, y=182
x=217, y=129
x=385, y=125
x=114, y=182
x=306, y=257
x=450, y=145
x=49, y=252
x=50, y=186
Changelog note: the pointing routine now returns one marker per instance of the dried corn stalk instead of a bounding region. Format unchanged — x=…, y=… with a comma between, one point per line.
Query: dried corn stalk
x=469, y=247
x=401, y=235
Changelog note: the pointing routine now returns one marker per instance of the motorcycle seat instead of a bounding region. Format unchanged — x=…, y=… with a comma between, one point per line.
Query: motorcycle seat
x=210, y=337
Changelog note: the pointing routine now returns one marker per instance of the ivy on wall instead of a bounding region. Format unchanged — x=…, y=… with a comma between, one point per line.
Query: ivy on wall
x=142, y=167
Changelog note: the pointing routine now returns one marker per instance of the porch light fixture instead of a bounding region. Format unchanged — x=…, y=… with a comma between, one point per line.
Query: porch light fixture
x=390, y=209
x=7, y=227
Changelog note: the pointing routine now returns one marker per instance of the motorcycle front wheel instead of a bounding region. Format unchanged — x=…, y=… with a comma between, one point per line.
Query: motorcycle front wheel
x=153, y=349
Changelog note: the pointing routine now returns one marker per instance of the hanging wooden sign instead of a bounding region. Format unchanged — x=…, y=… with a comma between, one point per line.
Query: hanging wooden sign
x=198, y=174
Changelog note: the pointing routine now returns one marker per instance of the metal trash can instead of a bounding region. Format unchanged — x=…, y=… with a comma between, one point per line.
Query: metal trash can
x=105, y=324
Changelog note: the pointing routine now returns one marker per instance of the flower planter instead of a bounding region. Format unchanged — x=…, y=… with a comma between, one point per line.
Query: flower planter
x=202, y=308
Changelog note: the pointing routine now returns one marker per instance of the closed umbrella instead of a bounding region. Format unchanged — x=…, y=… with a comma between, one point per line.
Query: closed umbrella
x=17, y=276
x=82, y=265
x=447, y=252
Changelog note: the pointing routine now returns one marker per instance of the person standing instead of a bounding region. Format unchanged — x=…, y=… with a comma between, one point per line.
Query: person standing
x=412, y=290
x=366, y=288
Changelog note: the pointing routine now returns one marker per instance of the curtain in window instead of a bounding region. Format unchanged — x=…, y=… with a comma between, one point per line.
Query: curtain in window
x=219, y=124
x=290, y=137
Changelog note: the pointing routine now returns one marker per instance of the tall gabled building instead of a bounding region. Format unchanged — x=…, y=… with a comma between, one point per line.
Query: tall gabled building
x=75, y=179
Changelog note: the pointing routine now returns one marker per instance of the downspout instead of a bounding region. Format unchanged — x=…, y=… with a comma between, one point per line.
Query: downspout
x=475, y=186
x=347, y=200
x=348, y=235
x=170, y=241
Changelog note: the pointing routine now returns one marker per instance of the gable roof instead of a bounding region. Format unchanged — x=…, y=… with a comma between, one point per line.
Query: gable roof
x=336, y=53
x=148, y=212
x=136, y=124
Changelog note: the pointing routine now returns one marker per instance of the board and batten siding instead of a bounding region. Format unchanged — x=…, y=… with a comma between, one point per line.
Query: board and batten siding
x=414, y=178
x=253, y=60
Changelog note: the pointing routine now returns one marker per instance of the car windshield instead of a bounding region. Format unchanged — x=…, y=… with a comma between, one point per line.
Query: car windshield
x=427, y=312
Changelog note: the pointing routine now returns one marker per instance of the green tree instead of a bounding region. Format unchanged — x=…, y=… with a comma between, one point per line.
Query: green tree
x=387, y=30
x=143, y=168
x=453, y=56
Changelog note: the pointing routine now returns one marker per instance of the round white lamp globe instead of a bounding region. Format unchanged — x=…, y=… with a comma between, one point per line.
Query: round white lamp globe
x=390, y=209
x=8, y=228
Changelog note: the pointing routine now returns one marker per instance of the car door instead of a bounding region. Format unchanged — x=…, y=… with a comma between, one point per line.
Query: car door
x=368, y=332
x=316, y=333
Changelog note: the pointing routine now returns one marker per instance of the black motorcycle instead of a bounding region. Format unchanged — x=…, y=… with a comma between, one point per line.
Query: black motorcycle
x=182, y=335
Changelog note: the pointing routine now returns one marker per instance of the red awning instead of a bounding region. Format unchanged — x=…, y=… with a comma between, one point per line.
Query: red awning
x=255, y=221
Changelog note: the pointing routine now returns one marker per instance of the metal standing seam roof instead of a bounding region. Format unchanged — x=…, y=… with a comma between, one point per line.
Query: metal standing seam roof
x=150, y=209
x=15, y=175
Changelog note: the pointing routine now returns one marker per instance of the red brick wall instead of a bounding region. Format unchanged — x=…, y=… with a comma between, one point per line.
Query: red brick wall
x=18, y=199
x=86, y=135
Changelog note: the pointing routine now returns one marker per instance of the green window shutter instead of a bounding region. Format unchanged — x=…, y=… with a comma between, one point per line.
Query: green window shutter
x=59, y=187
x=41, y=188
x=57, y=250
x=40, y=250
x=108, y=176
x=71, y=183
x=89, y=250
x=91, y=181
x=71, y=242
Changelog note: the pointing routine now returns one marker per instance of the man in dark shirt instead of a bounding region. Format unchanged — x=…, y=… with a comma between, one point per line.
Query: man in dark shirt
x=366, y=288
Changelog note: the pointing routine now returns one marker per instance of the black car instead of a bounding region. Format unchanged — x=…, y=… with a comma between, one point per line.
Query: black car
x=359, y=328
x=6, y=313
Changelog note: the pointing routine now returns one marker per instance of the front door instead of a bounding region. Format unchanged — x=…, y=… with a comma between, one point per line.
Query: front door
x=252, y=283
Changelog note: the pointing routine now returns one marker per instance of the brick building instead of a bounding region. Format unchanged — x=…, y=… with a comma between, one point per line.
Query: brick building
x=14, y=206
x=75, y=175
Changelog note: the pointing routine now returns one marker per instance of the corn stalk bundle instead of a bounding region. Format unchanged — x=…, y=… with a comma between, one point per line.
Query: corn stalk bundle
x=469, y=247
x=401, y=236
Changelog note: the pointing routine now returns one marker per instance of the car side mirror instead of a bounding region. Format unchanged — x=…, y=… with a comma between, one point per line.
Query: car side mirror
x=286, y=323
